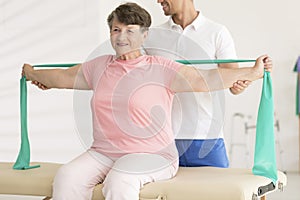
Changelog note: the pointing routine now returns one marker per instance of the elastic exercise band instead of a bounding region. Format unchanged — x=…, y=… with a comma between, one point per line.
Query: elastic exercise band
x=265, y=156
x=297, y=69
x=185, y=62
x=195, y=62
x=57, y=65
x=23, y=159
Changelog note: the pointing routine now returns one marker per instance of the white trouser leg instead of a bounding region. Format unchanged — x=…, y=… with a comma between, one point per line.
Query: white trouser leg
x=131, y=172
x=77, y=179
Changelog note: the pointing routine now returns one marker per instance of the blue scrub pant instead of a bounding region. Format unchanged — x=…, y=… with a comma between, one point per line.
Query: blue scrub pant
x=196, y=153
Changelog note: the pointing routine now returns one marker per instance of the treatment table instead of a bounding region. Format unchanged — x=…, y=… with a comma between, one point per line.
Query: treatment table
x=190, y=183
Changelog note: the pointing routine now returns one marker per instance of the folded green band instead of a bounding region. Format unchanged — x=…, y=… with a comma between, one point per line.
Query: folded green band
x=23, y=160
x=265, y=154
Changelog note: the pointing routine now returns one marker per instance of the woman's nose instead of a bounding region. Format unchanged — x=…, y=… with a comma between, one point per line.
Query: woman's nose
x=121, y=36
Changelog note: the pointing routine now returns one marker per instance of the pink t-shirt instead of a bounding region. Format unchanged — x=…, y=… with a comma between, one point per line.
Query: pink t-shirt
x=131, y=105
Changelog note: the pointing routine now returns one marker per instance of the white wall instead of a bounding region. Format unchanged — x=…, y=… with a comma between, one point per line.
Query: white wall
x=52, y=31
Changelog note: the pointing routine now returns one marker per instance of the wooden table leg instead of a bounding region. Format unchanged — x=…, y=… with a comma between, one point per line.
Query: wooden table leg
x=263, y=198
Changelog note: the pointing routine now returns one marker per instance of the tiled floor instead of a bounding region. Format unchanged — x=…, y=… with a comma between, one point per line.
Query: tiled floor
x=290, y=192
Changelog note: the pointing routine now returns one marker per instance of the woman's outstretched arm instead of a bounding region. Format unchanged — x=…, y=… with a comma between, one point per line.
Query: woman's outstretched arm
x=189, y=79
x=70, y=78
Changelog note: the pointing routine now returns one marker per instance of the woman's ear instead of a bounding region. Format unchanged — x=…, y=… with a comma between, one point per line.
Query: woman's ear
x=145, y=35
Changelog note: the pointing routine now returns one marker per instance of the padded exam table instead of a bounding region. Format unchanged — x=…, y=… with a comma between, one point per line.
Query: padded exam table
x=190, y=183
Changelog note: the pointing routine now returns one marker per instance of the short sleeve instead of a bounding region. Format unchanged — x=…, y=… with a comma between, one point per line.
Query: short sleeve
x=93, y=69
x=225, y=48
x=170, y=69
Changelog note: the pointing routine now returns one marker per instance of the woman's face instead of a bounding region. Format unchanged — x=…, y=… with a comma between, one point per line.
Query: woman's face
x=126, y=39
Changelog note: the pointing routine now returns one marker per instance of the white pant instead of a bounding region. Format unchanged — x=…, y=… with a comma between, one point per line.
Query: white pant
x=123, y=178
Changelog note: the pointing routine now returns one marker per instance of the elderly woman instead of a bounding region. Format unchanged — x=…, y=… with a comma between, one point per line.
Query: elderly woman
x=131, y=106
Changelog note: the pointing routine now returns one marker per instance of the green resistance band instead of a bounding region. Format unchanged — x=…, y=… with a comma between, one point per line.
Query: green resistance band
x=185, y=62
x=265, y=156
x=297, y=69
x=23, y=160
x=56, y=65
x=219, y=61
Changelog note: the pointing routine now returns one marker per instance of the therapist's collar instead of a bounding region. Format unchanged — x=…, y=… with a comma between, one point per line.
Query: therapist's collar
x=195, y=24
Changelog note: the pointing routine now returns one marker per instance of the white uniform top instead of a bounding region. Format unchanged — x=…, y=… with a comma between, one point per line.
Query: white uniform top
x=194, y=115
